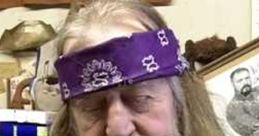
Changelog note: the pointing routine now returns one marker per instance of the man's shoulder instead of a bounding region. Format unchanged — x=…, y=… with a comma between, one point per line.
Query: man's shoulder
x=256, y=88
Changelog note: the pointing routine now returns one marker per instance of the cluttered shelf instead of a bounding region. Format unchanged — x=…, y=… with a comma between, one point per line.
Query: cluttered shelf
x=24, y=110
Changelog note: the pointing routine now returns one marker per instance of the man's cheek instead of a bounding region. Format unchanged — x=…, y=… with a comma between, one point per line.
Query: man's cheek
x=96, y=129
x=156, y=124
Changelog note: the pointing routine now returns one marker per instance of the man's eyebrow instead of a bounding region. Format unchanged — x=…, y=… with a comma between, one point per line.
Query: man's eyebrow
x=143, y=86
x=150, y=83
x=90, y=97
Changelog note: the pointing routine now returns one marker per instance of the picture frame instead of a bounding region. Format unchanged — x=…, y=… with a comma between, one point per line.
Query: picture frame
x=219, y=79
x=255, y=18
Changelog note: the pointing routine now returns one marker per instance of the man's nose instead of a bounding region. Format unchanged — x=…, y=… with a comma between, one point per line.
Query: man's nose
x=119, y=120
x=245, y=82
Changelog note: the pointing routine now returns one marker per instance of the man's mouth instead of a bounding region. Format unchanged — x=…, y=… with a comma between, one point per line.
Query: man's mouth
x=246, y=90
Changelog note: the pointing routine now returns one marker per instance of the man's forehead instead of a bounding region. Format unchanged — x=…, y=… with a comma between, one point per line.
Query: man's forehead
x=149, y=85
x=241, y=75
x=156, y=88
x=152, y=87
x=243, y=72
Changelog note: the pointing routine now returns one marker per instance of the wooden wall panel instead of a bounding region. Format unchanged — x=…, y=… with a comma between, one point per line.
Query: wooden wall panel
x=47, y=2
x=15, y=3
x=10, y=3
x=160, y=2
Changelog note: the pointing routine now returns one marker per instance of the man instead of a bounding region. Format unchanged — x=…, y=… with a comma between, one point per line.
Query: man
x=122, y=74
x=243, y=111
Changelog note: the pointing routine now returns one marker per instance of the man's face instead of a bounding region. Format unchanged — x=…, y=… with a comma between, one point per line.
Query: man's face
x=144, y=109
x=242, y=82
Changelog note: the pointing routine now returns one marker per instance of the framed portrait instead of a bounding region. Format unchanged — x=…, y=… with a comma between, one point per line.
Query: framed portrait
x=255, y=18
x=232, y=82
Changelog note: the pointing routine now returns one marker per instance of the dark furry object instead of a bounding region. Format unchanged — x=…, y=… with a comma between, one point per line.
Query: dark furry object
x=207, y=50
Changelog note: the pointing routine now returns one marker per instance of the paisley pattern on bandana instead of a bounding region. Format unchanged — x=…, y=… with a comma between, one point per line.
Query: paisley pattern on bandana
x=98, y=74
x=65, y=90
x=150, y=64
x=123, y=60
x=183, y=65
x=162, y=37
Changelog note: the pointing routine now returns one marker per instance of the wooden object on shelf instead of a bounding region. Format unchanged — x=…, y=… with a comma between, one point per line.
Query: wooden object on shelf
x=46, y=2
x=10, y=3
x=18, y=101
x=19, y=90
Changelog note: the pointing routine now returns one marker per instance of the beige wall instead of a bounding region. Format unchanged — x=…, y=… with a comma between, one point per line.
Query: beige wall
x=197, y=19
x=190, y=19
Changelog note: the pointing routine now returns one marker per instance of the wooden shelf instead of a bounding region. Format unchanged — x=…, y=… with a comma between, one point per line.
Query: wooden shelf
x=46, y=2
x=16, y=3
x=10, y=3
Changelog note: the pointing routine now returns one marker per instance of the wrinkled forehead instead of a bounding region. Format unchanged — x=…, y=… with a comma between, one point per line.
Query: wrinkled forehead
x=153, y=87
x=241, y=74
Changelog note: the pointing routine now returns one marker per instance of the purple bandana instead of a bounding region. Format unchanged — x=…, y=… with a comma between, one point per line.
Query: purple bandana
x=123, y=60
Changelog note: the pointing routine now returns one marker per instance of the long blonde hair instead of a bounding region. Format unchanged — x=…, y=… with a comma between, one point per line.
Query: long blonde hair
x=195, y=113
